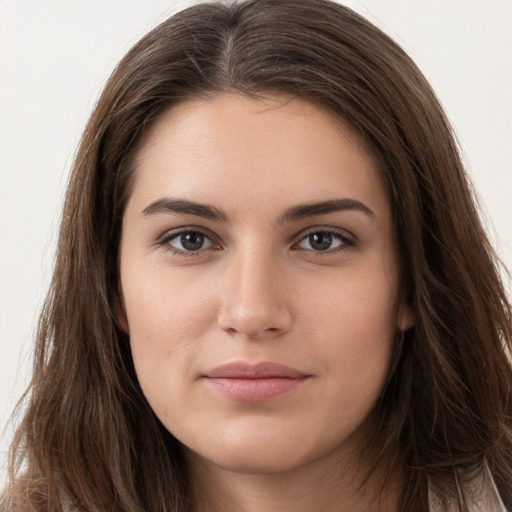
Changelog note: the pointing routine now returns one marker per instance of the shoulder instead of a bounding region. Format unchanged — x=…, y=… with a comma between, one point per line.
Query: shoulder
x=4, y=503
x=481, y=494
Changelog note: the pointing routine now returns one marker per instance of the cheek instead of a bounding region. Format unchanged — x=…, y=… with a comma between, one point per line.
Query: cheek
x=354, y=305
x=354, y=323
x=168, y=315
x=166, y=305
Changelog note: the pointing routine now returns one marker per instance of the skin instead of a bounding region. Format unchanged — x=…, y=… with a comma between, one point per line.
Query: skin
x=260, y=289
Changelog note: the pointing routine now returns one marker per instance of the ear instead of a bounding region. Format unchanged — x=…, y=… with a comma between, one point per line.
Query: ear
x=406, y=317
x=120, y=315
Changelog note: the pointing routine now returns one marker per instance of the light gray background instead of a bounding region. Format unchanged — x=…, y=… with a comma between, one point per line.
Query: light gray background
x=55, y=55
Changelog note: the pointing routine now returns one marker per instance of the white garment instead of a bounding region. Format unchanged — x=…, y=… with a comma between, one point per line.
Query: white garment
x=481, y=492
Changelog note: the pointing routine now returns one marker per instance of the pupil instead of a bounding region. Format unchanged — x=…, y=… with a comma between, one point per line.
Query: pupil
x=320, y=241
x=192, y=241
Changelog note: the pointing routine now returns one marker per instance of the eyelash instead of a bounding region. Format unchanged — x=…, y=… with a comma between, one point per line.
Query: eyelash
x=165, y=240
x=346, y=242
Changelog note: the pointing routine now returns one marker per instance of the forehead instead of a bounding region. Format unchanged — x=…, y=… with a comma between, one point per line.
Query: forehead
x=242, y=151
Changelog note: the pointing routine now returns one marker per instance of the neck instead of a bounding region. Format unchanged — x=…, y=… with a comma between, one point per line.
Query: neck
x=331, y=487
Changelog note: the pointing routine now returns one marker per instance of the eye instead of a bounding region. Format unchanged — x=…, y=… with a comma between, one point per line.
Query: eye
x=324, y=241
x=190, y=241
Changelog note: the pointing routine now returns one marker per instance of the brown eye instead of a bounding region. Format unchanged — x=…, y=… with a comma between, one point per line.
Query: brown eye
x=319, y=241
x=190, y=241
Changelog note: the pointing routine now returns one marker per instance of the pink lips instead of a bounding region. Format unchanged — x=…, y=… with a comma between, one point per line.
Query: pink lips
x=246, y=382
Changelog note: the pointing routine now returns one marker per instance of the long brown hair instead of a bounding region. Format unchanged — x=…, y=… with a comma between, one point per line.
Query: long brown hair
x=89, y=440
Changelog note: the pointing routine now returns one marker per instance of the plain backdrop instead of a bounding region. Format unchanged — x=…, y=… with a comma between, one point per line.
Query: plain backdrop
x=55, y=55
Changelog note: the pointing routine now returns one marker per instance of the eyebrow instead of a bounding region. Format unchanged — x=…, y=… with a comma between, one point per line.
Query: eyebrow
x=184, y=206
x=170, y=205
x=323, y=208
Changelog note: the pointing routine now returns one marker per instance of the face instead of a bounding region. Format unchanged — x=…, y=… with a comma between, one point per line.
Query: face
x=260, y=281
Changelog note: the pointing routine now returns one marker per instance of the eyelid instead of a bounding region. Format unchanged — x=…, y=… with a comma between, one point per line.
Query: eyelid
x=166, y=237
x=347, y=238
x=171, y=233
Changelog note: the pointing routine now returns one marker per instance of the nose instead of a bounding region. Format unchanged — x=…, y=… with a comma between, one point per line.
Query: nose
x=254, y=300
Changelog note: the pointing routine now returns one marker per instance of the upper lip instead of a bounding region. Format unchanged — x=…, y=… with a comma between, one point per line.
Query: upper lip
x=263, y=370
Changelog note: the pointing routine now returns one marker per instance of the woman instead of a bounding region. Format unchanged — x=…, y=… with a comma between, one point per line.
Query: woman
x=272, y=289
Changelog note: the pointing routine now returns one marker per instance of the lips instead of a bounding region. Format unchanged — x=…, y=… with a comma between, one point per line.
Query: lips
x=260, y=382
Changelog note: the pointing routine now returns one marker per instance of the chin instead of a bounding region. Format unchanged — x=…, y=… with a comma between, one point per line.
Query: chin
x=263, y=454
x=251, y=453
x=262, y=461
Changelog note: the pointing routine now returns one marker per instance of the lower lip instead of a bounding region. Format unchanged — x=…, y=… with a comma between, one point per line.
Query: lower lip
x=254, y=390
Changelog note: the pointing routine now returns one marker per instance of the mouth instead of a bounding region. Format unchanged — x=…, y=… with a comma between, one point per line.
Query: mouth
x=245, y=382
